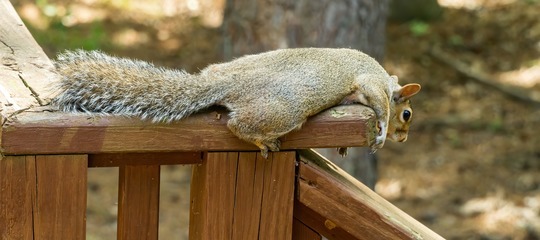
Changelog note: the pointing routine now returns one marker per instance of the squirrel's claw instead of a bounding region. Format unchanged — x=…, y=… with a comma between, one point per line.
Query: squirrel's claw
x=379, y=143
x=342, y=151
x=264, y=149
x=264, y=153
x=273, y=145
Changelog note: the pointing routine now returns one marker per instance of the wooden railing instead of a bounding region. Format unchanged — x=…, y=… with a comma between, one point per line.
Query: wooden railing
x=235, y=193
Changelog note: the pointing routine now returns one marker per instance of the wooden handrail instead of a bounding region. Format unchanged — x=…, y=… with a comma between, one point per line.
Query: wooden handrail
x=338, y=206
x=43, y=132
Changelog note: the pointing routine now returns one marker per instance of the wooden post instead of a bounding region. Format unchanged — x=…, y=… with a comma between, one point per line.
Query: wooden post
x=60, y=197
x=138, y=202
x=17, y=185
x=242, y=196
x=43, y=197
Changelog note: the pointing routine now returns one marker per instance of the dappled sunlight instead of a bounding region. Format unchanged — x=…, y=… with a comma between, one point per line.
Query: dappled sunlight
x=469, y=140
x=164, y=28
x=33, y=15
x=81, y=14
x=390, y=189
x=130, y=37
x=474, y=4
x=498, y=215
x=524, y=77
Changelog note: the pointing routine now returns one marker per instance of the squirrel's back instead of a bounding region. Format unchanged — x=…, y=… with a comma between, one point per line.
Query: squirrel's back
x=305, y=78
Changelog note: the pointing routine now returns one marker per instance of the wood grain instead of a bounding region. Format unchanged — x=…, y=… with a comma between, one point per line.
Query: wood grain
x=316, y=221
x=121, y=159
x=17, y=183
x=249, y=191
x=138, y=202
x=25, y=70
x=54, y=133
x=278, y=195
x=212, y=196
x=303, y=232
x=334, y=203
x=243, y=196
x=59, y=209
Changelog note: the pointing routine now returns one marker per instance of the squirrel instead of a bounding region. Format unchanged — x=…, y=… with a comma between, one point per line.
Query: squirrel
x=268, y=94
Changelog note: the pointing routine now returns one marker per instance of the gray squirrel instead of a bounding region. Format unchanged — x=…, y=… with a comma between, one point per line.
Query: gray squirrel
x=268, y=94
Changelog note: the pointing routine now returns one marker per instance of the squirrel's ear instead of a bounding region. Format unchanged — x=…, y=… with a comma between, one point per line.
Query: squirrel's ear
x=406, y=92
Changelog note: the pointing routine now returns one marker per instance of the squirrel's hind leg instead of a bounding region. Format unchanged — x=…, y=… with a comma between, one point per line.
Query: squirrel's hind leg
x=259, y=127
x=248, y=133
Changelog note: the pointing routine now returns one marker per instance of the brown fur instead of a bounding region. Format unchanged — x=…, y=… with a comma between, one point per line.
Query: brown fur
x=268, y=94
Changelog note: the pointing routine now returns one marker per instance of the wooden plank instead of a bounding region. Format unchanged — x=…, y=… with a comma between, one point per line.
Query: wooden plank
x=319, y=223
x=249, y=191
x=60, y=198
x=120, y=159
x=303, y=232
x=212, y=196
x=24, y=67
x=243, y=196
x=338, y=203
x=278, y=194
x=17, y=183
x=52, y=133
x=138, y=202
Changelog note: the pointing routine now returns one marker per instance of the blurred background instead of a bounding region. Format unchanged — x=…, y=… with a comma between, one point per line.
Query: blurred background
x=471, y=166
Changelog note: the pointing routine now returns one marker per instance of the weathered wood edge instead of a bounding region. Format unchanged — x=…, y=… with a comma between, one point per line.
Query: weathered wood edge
x=25, y=70
x=389, y=219
x=44, y=132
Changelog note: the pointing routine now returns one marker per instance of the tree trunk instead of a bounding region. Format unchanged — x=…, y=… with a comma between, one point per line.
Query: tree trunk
x=253, y=26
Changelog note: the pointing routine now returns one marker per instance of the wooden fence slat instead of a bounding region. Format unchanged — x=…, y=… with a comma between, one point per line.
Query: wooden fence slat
x=249, y=190
x=138, y=202
x=17, y=184
x=60, y=197
x=212, y=196
x=278, y=196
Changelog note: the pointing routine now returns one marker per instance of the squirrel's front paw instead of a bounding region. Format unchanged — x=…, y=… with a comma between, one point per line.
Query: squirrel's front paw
x=381, y=137
x=379, y=143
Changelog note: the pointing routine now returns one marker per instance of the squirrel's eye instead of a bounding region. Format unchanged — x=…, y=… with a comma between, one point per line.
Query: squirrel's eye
x=406, y=115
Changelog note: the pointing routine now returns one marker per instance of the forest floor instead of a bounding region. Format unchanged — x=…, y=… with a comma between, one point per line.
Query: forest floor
x=471, y=166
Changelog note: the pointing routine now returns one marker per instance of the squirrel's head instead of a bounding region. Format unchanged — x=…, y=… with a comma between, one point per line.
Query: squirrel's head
x=401, y=113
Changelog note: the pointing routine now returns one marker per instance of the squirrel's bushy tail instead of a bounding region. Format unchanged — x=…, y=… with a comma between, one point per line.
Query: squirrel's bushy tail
x=94, y=82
